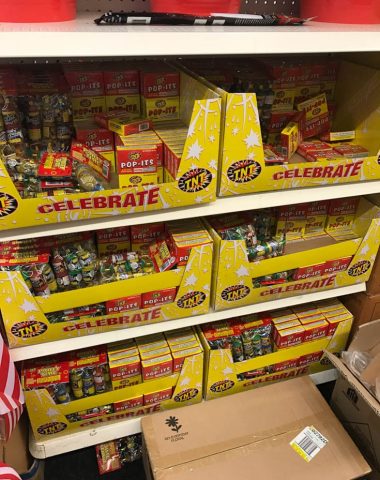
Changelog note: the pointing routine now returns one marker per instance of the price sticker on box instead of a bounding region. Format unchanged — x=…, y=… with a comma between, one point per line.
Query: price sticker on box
x=308, y=443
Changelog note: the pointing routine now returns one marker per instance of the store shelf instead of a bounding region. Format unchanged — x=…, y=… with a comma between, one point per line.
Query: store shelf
x=221, y=205
x=121, y=428
x=50, y=348
x=82, y=38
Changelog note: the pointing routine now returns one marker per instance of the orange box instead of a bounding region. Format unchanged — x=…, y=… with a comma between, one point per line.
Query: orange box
x=157, y=367
x=289, y=337
x=315, y=330
x=157, y=397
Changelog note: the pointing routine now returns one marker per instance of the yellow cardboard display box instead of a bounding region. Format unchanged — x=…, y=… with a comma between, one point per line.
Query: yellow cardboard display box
x=221, y=376
x=49, y=419
x=24, y=316
x=242, y=166
x=233, y=276
x=195, y=181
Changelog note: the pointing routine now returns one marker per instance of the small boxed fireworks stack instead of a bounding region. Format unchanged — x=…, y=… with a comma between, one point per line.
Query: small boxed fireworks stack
x=72, y=285
x=131, y=378
x=254, y=350
x=267, y=254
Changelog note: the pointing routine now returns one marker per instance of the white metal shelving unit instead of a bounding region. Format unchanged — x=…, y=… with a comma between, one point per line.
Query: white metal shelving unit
x=81, y=38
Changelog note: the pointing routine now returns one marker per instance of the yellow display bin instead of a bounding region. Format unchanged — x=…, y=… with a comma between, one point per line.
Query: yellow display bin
x=195, y=182
x=48, y=420
x=233, y=273
x=25, y=322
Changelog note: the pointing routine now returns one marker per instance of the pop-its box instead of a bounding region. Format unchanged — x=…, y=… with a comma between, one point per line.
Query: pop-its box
x=110, y=240
x=160, y=84
x=121, y=80
x=132, y=302
x=158, y=297
x=316, y=215
x=157, y=367
x=84, y=80
x=291, y=221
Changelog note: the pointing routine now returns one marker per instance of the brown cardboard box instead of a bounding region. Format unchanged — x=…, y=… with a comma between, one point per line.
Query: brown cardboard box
x=364, y=308
x=356, y=407
x=15, y=453
x=247, y=436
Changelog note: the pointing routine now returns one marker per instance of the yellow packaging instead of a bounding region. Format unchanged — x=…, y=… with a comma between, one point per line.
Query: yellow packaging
x=122, y=353
x=160, y=175
x=126, y=382
x=312, y=319
x=337, y=313
x=283, y=99
x=146, y=355
x=137, y=179
x=110, y=156
x=288, y=324
x=86, y=107
x=223, y=376
x=329, y=304
x=290, y=139
x=233, y=273
x=48, y=420
x=200, y=112
x=184, y=345
x=284, y=319
x=241, y=139
x=123, y=103
x=159, y=109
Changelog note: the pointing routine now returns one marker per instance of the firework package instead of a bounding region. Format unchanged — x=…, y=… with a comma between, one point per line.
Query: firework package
x=275, y=253
x=95, y=139
x=116, y=454
x=254, y=349
x=276, y=109
x=88, y=282
x=124, y=379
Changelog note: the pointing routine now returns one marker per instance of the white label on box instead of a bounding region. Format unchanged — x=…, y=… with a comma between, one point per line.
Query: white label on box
x=308, y=443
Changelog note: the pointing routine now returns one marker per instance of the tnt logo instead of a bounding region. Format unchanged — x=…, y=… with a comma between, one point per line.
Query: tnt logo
x=235, y=292
x=195, y=180
x=191, y=300
x=8, y=204
x=244, y=171
x=359, y=268
x=28, y=329
x=222, y=386
x=186, y=395
x=51, y=428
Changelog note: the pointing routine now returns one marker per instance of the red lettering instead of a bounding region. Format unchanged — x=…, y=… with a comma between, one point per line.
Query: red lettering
x=136, y=318
x=45, y=208
x=308, y=172
x=60, y=206
x=153, y=195
x=278, y=176
x=328, y=172
x=70, y=205
x=141, y=196
x=100, y=202
x=86, y=203
x=317, y=172
x=130, y=200
x=114, y=201
x=339, y=171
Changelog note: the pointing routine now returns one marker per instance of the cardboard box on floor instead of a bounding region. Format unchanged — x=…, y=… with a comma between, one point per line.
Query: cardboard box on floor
x=248, y=436
x=15, y=453
x=356, y=407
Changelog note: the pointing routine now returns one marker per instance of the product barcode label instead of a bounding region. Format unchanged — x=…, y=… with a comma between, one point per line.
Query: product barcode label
x=308, y=443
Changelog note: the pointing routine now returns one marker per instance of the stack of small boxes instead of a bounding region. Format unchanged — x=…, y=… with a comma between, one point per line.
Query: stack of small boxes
x=150, y=358
x=307, y=323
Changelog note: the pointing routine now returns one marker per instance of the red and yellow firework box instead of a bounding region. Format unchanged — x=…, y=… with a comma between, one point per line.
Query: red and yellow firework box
x=233, y=284
x=94, y=137
x=123, y=126
x=311, y=318
x=309, y=271
x=135, y=402
x=338, y=265
x=223, y=376
x=341, y=215
x=129, y=104
x=126, y=382
x=183, y=345
x=194, y=183
x=315, y=330
x=33, y=327
x=157, y=367
x=112, y=240
x=180, y=356
x=133, y=302
x=125, y=367
x=316, y=115
x=316, y=216
x=49, y=420
x=158, y=397
x=160, y=94
x=288, y=337
x=155, y=353
x=84, y=80
x=143, y=235
x=85, y=108
x=338, y=136
x=242, y=166
x=158, y=297
x=352, y=151
x=292, y=220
